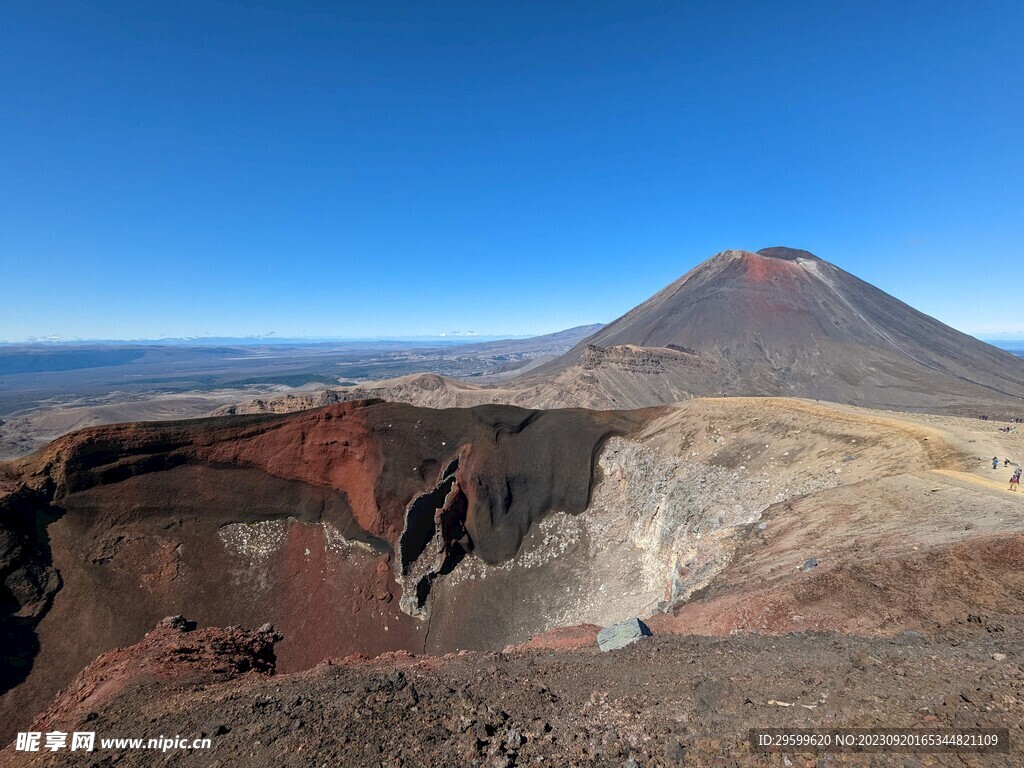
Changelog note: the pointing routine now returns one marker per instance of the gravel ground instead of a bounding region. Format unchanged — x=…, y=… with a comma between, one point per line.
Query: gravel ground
x=665, y=701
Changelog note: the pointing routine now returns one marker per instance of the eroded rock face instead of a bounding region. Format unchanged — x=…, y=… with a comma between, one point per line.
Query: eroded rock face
x=435, y=539
x=653, y=361
x=174, y=650
x=675, y=502
x=335, y=524
x=28, y=579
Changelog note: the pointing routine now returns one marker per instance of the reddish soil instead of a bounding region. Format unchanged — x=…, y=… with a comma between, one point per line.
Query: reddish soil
x=779, y=274
x=919, y=590
x=561, y=638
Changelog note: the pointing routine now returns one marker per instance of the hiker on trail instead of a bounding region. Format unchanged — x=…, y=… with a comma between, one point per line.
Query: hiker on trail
x=1015, y=479
x=995, y=462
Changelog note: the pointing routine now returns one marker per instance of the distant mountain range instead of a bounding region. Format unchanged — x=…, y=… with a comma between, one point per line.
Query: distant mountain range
x=453, y=337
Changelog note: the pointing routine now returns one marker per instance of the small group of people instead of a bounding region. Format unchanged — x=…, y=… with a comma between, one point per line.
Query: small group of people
x=1014, y=478
x=1015, y=420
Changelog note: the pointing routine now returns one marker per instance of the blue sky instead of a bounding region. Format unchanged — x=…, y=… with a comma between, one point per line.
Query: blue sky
x=408, y=168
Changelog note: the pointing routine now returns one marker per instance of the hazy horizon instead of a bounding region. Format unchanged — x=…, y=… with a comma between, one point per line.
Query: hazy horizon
x=274, y=339
x=1007, y=340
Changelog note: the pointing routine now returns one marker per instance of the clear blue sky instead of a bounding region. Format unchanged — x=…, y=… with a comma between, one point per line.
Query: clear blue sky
x=406, y=168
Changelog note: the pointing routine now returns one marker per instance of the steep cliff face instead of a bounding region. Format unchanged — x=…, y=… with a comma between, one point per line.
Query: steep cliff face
x=334, y=524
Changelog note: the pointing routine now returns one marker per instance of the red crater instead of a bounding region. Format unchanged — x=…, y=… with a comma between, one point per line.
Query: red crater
x=332, y=524
x=782, y=274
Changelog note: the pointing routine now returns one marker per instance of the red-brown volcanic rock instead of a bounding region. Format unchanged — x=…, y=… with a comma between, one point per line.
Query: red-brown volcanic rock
x=332, y=524
x=561, y=638
x=174, y=651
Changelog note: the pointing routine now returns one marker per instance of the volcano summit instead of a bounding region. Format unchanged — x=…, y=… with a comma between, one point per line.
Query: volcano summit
x=783, y=322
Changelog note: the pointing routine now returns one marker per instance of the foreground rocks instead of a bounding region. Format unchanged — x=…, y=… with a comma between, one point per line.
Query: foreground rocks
x=667, y=701
x=174, y=651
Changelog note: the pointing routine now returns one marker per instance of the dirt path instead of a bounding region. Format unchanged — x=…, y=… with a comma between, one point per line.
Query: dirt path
x=973, y=480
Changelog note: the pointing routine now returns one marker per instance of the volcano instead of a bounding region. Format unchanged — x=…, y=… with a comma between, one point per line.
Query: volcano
x=781, y=322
